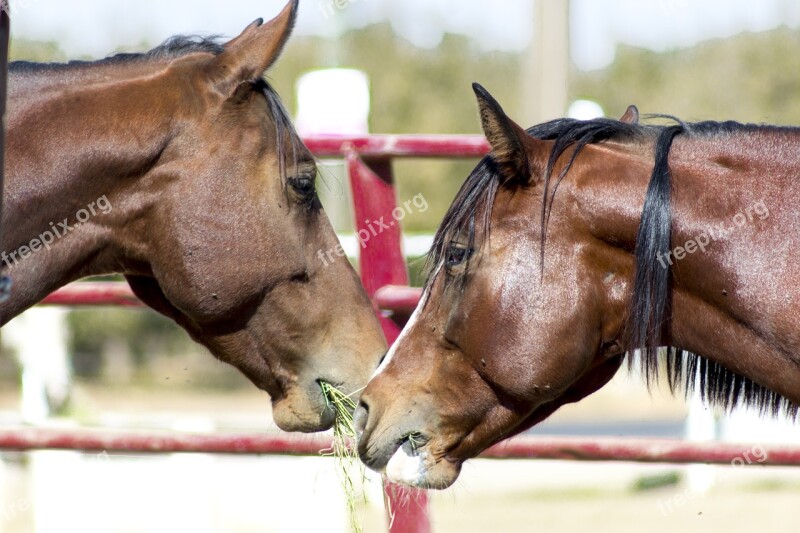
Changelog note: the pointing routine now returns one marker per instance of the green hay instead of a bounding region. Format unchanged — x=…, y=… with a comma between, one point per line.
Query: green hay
x=344, y=437
x=416, y=441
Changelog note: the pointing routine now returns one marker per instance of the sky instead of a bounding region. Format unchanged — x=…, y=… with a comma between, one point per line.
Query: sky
x=97, y=27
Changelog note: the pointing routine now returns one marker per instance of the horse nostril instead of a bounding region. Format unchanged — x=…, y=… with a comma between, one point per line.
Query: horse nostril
x=360, y=418
x=301, y=277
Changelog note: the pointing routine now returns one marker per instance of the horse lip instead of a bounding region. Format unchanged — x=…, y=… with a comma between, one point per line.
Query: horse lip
x=412, y=443
x=379, y=461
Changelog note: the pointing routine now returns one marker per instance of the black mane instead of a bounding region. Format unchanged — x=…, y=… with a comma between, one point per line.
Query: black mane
x=648, y=326
x=478, y=192
x=174, y=47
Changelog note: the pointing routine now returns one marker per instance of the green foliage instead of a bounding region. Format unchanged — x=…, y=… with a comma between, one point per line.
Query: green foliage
x=413, y=91
x=21, y=49
x=752, y=77
x=656, y=481
x=9, y=366
x=143, y=332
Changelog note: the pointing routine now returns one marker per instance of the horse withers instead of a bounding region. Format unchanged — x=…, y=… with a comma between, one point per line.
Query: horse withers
x=575, y=243
x=180, y=169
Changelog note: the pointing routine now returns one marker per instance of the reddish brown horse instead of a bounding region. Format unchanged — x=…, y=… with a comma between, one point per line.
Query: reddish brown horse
x=180, y=169
x=575, y=243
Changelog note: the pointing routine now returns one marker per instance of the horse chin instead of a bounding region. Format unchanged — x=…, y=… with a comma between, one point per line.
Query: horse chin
x=419, y=469
x=304, y=411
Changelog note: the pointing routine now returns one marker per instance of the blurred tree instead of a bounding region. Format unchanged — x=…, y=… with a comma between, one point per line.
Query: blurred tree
x=752, y=77
x=9, y=366
x=21, y=49
x=414, y=91
x=144, y=334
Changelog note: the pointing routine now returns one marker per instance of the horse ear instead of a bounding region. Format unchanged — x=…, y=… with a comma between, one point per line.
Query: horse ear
x=631, y=116
x=248, y=56
x=512, y=148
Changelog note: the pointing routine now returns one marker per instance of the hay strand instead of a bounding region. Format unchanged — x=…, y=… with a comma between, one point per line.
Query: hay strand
x=344, y=450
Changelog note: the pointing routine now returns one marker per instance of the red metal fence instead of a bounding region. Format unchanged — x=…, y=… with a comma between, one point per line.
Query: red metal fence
x=527, y=447
x=384, y=274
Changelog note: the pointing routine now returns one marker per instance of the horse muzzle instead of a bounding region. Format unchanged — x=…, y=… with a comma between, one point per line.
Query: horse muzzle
x=404, y=455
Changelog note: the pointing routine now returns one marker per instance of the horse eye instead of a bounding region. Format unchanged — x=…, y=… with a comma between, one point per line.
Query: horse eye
x=457, y=255
x=303, y=185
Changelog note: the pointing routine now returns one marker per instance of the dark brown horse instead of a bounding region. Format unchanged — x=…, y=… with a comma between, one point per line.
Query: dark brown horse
x=575, y=243
x=180, y=169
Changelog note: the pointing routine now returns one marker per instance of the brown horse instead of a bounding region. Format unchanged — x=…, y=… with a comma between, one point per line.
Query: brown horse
x=180, y=169
x=575, y=243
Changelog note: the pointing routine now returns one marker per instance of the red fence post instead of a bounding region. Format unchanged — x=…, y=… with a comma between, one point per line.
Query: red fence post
x=382, y=263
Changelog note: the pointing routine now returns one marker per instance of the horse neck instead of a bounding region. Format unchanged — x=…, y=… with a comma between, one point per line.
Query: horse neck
x=736, y=193
x=76, y=136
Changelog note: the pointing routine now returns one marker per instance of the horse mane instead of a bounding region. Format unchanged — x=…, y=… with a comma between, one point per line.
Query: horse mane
x=648, y=325
x=175, y=47
x=478, y=191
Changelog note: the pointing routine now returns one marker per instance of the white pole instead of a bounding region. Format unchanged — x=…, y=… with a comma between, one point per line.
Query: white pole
x=701, y=426
x=39, y=338
x=548, y=63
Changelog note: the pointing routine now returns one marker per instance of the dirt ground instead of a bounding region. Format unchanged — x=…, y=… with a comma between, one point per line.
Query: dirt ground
x=766, y=509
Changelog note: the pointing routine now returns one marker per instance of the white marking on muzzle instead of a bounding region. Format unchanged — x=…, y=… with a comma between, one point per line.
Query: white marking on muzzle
x=406, y=469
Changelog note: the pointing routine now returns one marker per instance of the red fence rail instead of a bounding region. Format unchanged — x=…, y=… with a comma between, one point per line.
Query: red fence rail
x=394, y=146
x=396, y=298
x=383, y=272
x=671, y=451
x=94, y=293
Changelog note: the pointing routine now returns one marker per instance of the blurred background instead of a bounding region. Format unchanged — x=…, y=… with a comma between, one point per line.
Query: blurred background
x=416, y=59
